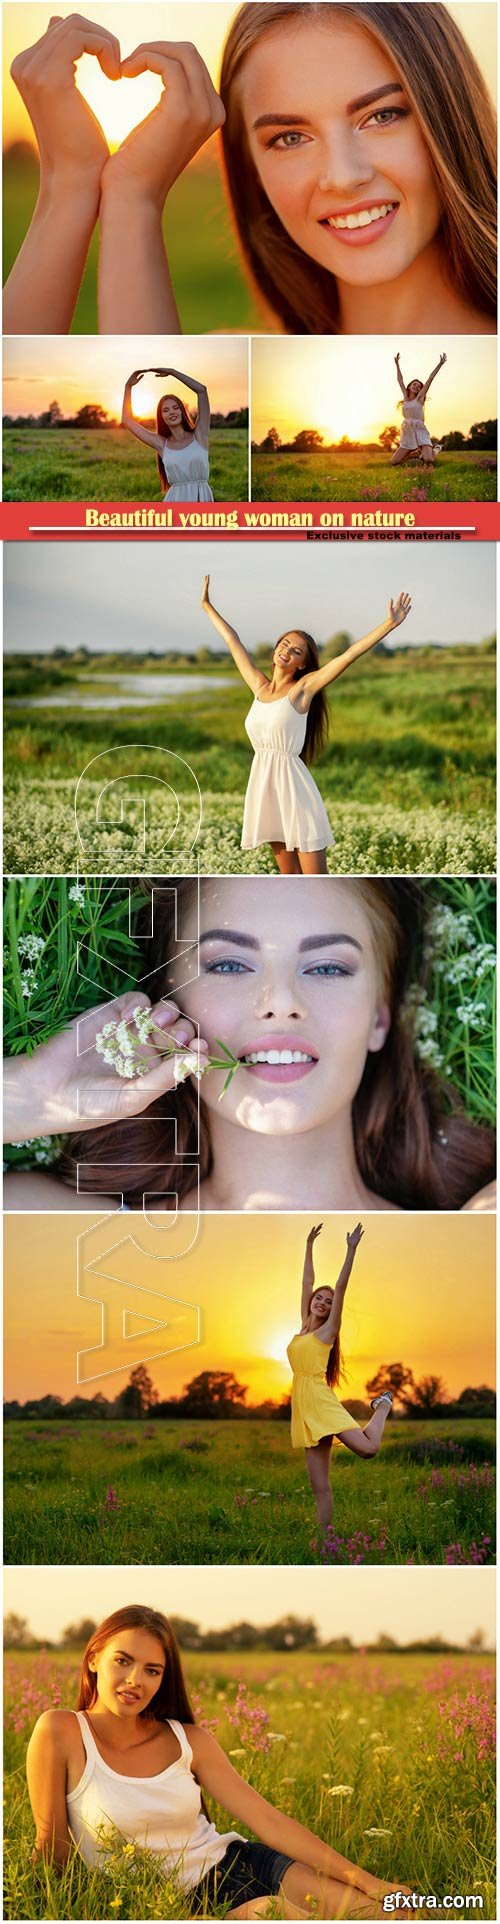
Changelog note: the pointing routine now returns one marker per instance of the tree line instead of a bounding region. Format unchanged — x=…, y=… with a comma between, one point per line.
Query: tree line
x=481, y=438
x=288, y=1633
x=92, y=415
x=216, y=1394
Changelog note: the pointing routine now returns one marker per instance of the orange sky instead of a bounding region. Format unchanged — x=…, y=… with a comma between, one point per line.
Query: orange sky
x=74, y=371
x=349, y=386
x=422, y=1293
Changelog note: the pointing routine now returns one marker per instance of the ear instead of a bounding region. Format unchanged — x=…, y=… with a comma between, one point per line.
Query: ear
x=380, y=1028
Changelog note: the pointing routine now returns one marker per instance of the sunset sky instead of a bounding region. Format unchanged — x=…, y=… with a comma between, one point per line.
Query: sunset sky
x=358, y=1603
x=346, y=386
x=74, y=371
x=205, y=24
x=422, y=1293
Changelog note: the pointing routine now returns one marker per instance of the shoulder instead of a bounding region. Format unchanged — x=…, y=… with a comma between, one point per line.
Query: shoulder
x=203, y=1744
x=54, y=1729
x=484, y=1199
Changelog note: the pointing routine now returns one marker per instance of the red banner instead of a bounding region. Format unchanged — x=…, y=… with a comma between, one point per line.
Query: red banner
x=275, y=520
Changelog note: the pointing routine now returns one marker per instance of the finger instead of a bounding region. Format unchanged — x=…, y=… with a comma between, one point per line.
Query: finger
x=83, y=36
x=157, y=56
x=121, y=1009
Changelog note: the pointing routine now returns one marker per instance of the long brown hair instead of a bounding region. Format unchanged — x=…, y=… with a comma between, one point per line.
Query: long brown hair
x=171, y=1698
x=188, y=423
x=335, y=1365
x=317, y=718
x=414, y=1145
x=456, y=120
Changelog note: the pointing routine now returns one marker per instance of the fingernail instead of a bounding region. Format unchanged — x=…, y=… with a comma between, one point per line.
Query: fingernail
x=166, y=1012
x=184, y=1032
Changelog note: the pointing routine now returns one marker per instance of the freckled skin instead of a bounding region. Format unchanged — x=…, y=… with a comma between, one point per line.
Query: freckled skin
x=339, y=160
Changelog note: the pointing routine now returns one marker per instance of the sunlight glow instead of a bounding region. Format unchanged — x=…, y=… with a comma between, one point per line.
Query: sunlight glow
x=118, y=105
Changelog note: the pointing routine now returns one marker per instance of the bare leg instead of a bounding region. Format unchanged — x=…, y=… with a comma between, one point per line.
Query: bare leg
x=366, y=1442
x=313, y=863
x=307, y=1895
x=287, y=860
x=318, y=1464
x=428, y=456
x=259, y=1908
x=400, y=455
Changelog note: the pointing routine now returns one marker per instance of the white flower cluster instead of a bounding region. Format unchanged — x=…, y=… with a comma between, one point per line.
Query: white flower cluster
x=29, y=948
x=424, y=1022
x=76, y=894
x=120, y=1047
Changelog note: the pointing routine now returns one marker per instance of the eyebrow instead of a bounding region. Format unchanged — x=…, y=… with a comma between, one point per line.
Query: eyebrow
x=152, y=1663
x=364, y=100
x=251, y=942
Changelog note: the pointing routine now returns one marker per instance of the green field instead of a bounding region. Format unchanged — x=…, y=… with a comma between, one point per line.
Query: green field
x=408, y=1737
x=107, y=464
x=341, y=477
x=235, y=1492
x=408, y=777
x=213, y=295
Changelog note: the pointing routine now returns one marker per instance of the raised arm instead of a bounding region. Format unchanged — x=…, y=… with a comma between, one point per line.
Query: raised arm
x=320, y=677
x=308, y=1272
x=330, y=1328
x=202, y=428
x=431, y=377
x=46, y=1769
x=243, y=661
x=399, y=374
x=128, y=418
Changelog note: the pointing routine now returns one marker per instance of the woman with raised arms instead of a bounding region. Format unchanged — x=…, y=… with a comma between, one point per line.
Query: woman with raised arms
x=359, y=151
x=305, y=986
x=131, y=1766
x=181, y=440
x=315, y=1360
x=415, y=437
x=288, y=726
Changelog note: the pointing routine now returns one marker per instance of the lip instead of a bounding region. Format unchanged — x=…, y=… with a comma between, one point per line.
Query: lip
x=360, y=236
x=128, y=1696
x=279, y=1072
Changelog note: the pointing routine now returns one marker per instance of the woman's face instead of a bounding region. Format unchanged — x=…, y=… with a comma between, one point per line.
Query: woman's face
x=288, y=979
x=338, y=149
x=171, y=412
x=415, y=388
x=290, y=654
x=129, y=1672
x=321, y=1305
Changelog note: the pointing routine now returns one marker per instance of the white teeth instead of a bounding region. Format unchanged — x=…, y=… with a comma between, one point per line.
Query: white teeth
x=365, y=218
x=275, y=1056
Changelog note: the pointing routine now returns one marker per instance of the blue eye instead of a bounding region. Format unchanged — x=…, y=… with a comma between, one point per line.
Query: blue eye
x=227, y=966
x=328, y=969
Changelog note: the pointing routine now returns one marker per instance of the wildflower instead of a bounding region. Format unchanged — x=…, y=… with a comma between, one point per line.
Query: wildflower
x=341, y=1790
x=76, y=894
x=111, y=1500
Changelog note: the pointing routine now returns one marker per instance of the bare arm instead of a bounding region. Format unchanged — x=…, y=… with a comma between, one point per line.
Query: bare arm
x=135, y=289
x=128, y=418
x=330, y=1329
x=431, y=377
x=219, y=1779
x=46, y=1769
x=242, y=659
x=320, y=677
x=399, y=374
x=308, y=1272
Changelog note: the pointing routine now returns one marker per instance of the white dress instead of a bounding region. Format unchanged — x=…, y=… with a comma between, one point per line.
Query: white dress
x=282, y=802
x=186, y=470
x=414, y=433
x=163, y=1814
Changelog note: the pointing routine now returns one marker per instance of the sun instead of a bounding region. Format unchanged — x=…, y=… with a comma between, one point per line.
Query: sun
x=118, y=105
x=276, y=1347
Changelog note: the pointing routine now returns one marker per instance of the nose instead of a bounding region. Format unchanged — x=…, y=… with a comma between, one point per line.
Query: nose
x=344, y=166
x=279, y=995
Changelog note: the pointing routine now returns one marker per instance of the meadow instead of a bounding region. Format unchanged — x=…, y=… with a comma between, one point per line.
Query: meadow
x=408, y=778
x=107, y=464
x=211, y=290
x=389, y=1758
x=369, y=477
x=186, y=1491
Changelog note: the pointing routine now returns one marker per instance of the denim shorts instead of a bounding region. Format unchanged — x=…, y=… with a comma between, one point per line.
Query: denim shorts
x=246, y=1871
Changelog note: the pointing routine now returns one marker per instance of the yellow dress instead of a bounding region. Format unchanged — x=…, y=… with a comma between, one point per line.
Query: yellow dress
x=316, y=1410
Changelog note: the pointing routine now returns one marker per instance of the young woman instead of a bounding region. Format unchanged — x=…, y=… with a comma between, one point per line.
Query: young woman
x=131, y=1765
x=180, y=442
x=415, y=437
x=331, y=1106
x=317, y=1414
x=359, y=151
x=283, y=805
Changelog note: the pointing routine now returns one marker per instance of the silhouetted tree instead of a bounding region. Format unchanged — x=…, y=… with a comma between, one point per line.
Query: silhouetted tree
x=307, y=442
x=78, y=1633
x=213, y=1393
x=389, y=439
x=16, y=1632
x=139, y=1395
x=394, y=1377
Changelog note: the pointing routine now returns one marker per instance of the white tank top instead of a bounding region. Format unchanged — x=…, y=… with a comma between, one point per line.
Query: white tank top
x=162, y=1814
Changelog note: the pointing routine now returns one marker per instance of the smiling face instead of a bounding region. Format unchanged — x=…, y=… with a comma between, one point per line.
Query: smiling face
x=321, y=1303
x=292, y=986
x=171, y=412
x=129, y=1671
x=338, y=148
x=414, y=389
x=290, y=656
